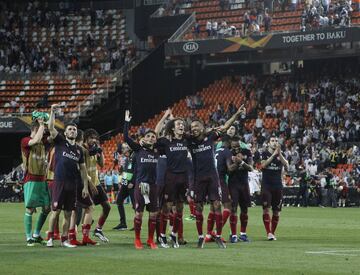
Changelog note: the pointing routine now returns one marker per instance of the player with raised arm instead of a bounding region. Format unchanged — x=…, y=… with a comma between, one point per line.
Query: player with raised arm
x=174, y=146
x=273, y=162
x=145, y=192
x=36, y=192
x=206, y=179
x=68, y=158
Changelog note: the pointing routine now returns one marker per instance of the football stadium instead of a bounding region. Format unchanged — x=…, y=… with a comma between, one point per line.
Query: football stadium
x=180, y=136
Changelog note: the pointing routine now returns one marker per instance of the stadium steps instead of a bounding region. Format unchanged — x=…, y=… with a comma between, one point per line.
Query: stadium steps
x=69, y=93
x=77, y=27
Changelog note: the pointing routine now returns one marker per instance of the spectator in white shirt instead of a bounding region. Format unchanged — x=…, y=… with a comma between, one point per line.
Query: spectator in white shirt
x=259, y=123
x=268, y=110
x=208, y=28
x=214, y=28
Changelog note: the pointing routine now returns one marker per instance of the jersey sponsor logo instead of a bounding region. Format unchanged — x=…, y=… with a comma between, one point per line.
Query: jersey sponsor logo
x=273, y=166
x=149, y=159
x=201, y=148
x=71, y=156
x=179, y=147
x=191, y=47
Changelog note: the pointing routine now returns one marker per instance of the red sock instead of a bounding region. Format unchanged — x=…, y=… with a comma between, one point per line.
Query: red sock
x=244, y=221
x=233, y=222
x=151, y=226
x=63, y=238
x=181, y=229
x=219, y=223
x=171, y=218
x=85, y=230
x=225, y=215
x=274, y=223
x=199, y=222
x=163, y=222
x=266, y=220
x=137, y=227
x=192, y=207
x=158, y=221
x=210, y=222
x=50, y=235
x=101, y=222
x=177, y=221
x=56, y=227
x=72, y=234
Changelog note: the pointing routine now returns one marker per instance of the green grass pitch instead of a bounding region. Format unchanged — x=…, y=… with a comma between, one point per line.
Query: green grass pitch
x=310, y=241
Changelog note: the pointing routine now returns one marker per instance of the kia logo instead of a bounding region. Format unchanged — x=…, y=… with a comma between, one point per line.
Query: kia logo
x=191, y=47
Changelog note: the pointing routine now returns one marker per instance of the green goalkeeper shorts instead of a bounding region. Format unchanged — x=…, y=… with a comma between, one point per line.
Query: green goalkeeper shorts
x=36, y=194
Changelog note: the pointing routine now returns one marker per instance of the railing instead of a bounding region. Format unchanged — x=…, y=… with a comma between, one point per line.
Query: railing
x=239, y=34
x=183, y=28
x=89, y=101
x=156, y=13
x=154, y=2
x=53, y=76
x=15, y=114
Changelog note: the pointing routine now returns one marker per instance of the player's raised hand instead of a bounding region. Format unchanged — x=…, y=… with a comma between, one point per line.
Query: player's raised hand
x=127, y=116
x=142, y=142
x=171, y=115
x=241, y=110
x=167, y=112
x=40, y=120
x=54, y=107
x=239, y=157
x=277, y=151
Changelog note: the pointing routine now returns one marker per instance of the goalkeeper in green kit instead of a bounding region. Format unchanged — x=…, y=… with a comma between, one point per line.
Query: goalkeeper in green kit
x=36, y=192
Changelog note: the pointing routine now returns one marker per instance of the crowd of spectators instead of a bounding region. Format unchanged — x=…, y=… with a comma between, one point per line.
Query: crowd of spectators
x=11, y=189
x=327, y=138
x=325, y=13
x=317, y=139
x=19, y=53
x=194, y=102
x=258, y=16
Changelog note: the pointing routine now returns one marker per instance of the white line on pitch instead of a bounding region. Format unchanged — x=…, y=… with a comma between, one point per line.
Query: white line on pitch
x=332, y=251
x=335, y=252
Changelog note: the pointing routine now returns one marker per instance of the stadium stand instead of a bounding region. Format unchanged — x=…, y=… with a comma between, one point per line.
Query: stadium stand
x=66, y=57
x=59, y=56
x=39, y=40
x=237, y=15
x=22, y=96
x=302, y=116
